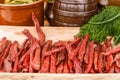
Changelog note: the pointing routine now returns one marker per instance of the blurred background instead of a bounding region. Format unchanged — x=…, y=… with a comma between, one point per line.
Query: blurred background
x=52, y=12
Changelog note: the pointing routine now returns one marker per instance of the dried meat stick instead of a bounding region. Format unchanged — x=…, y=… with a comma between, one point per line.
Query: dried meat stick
x=60, y=56
x=109, y=62
x=26, y=61
x=91, y=54
x=76, y=50
x=82, y=48
x=30, y=64
x=23, y=48
x=86, y=55
x=96, y=57
x=45, y=65
x=60, y=68
x=2, y=44
x=104, y=49
x=31, y=58
x=7, y=65
x=117, y=57
x=41, y=35
x=100, y=63
x=71, y=53
x=65, y=67
x=31, y=50
x=46, y=48
x=101, y=58
x=46, y=60
x=54, y=50
x=72, y=43
x=112, y=69
x=76, y=41
x=5, y=53
x=13, y=51
x=53, y=64
x=65, y=64
x=60, y=43
x=48, y=53
x=21, y=53
x=77, y=65
x=36, y=59
x=117, y=69
x=15, y=67
x=118, y=63
x=29, y=35
x=92, y=71
x=70, y=65
x=112, y=51
x=109, y=58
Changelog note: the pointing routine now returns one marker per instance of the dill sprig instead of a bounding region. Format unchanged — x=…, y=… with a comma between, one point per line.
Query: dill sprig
x=106, y=23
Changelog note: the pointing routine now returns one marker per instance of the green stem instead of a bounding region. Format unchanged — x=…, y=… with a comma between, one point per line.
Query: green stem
x=117, y=39
x=106, y=20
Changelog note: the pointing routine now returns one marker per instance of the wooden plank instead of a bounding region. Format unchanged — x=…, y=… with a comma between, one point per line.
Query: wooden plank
x=38, y=76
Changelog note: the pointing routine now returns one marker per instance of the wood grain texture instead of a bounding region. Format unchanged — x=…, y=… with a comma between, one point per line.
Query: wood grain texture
x=38, y=76
x=54, y=33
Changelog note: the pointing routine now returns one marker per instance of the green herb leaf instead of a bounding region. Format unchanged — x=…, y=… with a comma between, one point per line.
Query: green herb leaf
x=106, y=23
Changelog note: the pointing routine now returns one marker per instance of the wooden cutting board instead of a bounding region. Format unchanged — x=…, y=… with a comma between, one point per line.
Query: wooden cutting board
x=55, y=34
x=52, y=33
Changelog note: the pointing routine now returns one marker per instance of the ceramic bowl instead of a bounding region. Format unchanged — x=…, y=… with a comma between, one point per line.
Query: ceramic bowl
x=20, y=15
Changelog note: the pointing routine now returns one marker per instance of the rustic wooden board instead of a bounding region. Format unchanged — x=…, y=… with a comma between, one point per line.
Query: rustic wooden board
x=38, y=76
x=54, y=33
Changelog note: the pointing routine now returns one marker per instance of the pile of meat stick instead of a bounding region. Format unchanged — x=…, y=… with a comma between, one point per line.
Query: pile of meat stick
x=38, y=55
